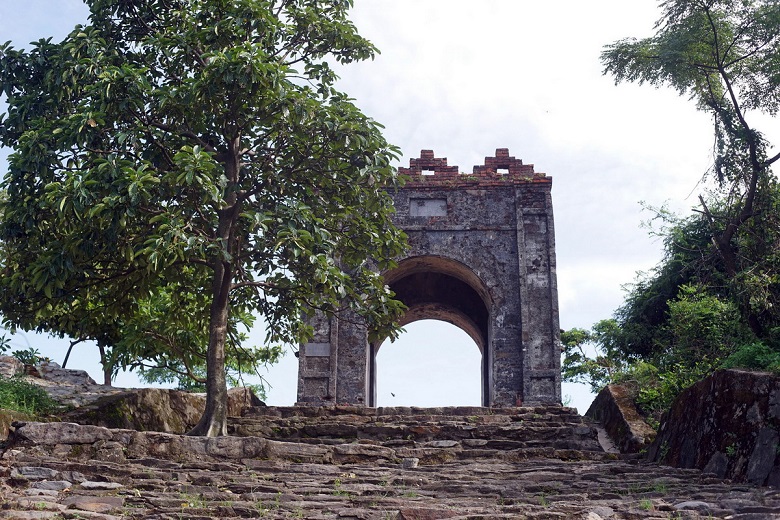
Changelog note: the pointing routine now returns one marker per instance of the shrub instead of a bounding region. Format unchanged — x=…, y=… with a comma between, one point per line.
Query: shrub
x=17, y=394
x=29, y=356
x=754, y=356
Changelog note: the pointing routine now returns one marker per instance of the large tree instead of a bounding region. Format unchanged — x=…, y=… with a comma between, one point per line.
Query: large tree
x=714, y=300
x=195, y=146
x=724, y=55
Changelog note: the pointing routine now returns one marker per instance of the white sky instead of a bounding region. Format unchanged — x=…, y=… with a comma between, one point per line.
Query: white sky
x=464, y=78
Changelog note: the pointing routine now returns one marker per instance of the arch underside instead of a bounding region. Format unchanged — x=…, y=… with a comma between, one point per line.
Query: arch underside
x=442, y=297
x=438, y=288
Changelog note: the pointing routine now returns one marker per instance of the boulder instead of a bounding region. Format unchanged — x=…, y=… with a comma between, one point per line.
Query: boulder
x=614, y=409
x=8, y=417
x=727, y=424
x=51, y=371
x=156, y=409
x=10, y=366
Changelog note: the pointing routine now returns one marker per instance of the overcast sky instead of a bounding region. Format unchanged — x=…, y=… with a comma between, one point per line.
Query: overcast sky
x=464, y=78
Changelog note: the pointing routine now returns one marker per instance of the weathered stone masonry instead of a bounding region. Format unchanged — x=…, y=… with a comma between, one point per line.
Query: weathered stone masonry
x=482, y=256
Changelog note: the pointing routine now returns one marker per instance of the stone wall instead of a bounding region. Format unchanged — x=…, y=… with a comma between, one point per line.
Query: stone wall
x=727, y=424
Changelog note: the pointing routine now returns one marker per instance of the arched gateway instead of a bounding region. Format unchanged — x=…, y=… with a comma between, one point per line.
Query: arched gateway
x=482, y=256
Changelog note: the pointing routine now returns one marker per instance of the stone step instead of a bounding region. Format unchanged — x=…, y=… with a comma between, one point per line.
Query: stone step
x=149, y=487
x=416, y=431
x=419, y=413
x=554, y=427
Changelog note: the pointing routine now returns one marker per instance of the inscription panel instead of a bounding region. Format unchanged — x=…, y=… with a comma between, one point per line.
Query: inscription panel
x=428, y=207
x=317, y=349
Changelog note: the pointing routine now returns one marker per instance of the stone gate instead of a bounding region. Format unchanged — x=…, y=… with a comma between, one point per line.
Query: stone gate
x=482, y=257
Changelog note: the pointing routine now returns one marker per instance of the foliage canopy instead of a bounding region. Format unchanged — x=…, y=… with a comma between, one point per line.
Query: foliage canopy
x=193, y=158
x=724, y=55
x=714, y=300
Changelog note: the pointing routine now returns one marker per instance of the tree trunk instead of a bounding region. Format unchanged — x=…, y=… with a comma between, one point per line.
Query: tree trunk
x=213, y=423
x=214, y=420
x=107, y=369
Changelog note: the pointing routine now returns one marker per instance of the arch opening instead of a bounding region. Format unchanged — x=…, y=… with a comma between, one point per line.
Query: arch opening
x=435, y=290
x=433, y=363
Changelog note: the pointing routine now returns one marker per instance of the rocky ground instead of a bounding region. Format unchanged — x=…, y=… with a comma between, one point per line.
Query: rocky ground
x=467, y=463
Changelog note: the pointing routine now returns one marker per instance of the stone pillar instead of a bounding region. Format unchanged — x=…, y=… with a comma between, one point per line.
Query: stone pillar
x=333, y=366
x=538, y=297
x=317, y=362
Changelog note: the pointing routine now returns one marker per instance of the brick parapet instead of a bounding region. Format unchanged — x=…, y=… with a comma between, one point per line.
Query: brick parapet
x=489, y=174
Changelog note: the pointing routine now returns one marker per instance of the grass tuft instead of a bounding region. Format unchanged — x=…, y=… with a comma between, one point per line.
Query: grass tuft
x=19, y=395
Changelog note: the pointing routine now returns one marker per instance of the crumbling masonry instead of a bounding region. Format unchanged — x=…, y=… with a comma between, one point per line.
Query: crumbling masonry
x=482, y=256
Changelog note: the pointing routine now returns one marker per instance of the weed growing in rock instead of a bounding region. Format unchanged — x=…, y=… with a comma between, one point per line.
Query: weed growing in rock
x=664, y=450
x=193, y=501
x=646, y=504
x=659, y=487
x=19, y=395
x=29, y=356
x=261, y=511
x=337, y=488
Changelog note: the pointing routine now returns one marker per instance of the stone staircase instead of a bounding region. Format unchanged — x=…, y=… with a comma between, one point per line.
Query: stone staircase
x=360, y=464
x=433, y=434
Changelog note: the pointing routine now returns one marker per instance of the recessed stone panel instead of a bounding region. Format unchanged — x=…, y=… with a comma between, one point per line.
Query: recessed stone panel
x=317, y=349
x=428, y=207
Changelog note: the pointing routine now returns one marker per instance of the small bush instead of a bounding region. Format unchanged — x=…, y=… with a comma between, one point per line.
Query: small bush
x=29, y=356
x=656, y=389
x=19, y=395
x=755, y=356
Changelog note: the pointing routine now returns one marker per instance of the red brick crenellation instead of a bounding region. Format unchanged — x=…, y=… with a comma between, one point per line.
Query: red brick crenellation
x=428, y=163
x=487, y=174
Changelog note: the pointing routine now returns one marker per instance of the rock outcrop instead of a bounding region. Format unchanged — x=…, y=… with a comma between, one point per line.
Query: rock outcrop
x=614, y=409
x=51, y=371
x=727, y=424
x=142, y=409
x=10, y=366
x=69, y=388
x=155, y=409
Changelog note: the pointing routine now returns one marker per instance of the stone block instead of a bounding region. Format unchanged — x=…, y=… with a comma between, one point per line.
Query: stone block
x=614, y=409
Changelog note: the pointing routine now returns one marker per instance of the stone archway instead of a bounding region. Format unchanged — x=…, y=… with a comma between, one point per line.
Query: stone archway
x=484, y=237
x=439, y=288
